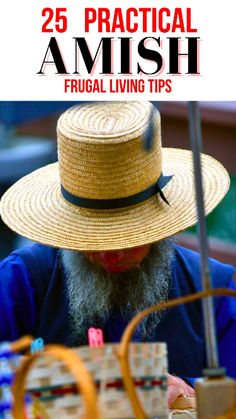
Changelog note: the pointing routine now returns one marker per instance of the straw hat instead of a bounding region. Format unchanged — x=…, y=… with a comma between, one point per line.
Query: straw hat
x=104, y=193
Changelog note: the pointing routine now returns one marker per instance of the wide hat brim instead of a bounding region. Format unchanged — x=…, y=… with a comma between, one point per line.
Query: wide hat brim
x=35, y=208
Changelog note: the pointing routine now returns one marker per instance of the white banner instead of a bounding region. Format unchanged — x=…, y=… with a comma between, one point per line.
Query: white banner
x=74, y=50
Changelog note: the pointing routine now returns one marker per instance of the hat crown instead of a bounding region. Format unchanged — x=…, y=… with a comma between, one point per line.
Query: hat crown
x=101, y=149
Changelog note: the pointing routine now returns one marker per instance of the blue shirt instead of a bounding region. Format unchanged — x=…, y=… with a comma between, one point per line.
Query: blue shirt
x=33, y=301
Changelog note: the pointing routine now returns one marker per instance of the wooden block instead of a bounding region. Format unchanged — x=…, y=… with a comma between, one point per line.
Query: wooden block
x=184, y=403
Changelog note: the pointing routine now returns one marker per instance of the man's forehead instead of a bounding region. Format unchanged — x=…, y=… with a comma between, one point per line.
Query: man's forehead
x=125, y=250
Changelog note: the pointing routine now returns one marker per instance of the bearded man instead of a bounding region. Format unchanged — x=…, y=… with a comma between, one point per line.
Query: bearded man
x=114, y=207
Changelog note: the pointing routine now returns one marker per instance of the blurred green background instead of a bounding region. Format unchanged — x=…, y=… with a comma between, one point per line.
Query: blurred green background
x=221, y=223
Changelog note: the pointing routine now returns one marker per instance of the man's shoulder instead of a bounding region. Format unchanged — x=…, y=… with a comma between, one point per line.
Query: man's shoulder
x=188, y=262
x=37, y=251
x=39, y=259
x=27, y=273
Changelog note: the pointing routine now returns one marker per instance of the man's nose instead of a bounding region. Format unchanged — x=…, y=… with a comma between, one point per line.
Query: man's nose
x=111, y=257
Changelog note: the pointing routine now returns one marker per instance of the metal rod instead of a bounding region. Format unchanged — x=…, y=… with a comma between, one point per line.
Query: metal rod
x=208, y=312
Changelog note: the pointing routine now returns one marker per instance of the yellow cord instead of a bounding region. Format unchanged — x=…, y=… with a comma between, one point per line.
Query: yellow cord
x=38, y=409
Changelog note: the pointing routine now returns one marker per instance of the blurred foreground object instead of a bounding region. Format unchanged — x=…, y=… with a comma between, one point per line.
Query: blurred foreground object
x=215, y=396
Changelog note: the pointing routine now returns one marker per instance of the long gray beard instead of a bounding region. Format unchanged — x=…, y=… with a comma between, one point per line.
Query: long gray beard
x=95, y=294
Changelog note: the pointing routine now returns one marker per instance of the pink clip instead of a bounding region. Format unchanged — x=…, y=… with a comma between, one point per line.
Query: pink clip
x=95, y=337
